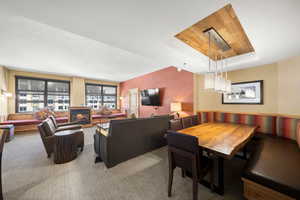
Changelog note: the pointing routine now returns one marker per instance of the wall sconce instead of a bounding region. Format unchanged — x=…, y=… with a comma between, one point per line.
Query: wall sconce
x=5, y=93
x=121, y=98
x=176, y=107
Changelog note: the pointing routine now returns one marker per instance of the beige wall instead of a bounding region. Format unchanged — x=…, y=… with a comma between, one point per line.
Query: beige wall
x=77, y=86
x=281, y=86
x=289, y=86
x=3, y=98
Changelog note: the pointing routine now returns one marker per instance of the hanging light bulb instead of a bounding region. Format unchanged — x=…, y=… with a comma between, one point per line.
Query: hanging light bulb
x=227, y=84
x=209, y=77
x=216, y=77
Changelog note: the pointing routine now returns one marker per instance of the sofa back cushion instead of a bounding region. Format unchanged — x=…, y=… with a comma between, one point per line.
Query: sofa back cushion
x=53, y=121
x=49, y=127
x=287, y=127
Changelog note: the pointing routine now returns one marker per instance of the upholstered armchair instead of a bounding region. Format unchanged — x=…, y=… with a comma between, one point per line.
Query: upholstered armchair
x=47, y=138
x=63, y=126
x=47, y=131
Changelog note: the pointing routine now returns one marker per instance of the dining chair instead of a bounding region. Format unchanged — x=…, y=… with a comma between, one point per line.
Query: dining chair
x=176, y=124
x=185, y=153
x=2, y=140
x=187, y=122
x=195, y=120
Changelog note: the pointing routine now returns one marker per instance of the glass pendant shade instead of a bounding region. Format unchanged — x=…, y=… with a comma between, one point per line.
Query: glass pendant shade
x=218, y=83
x=209, y=80
x=228, y=86
x=223, y=84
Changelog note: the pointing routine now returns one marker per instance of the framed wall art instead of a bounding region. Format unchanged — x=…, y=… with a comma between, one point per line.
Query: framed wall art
x=245, y=93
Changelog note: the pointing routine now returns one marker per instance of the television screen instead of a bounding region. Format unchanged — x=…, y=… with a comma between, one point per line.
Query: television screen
x=150, y=97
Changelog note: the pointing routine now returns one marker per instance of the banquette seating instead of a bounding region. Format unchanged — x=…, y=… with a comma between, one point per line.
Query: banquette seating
x=28, y=122
x=272, y=169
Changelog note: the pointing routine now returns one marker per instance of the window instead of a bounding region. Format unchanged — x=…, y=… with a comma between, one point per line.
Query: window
x=101, y=95
x=34, y=94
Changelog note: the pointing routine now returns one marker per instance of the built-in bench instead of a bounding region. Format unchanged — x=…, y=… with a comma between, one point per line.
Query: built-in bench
x=28, y=122
x=272, y=170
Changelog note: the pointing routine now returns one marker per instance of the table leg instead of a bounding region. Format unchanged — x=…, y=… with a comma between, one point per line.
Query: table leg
x=220, y=188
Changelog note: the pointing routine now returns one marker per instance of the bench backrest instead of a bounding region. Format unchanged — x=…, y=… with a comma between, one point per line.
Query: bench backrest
x=279, y=125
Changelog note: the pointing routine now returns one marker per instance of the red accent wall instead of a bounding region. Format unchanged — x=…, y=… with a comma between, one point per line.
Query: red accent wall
x=174, y=86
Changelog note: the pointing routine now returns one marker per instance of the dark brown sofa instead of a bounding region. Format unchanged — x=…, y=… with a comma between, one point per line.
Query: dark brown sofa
x=129, y=138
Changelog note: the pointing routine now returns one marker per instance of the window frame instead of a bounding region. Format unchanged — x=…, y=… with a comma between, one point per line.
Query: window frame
x=45, y=91
x=102, y=94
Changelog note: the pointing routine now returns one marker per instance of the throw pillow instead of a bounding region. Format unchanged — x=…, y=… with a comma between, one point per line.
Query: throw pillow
x=105, y=111
x=44, y=114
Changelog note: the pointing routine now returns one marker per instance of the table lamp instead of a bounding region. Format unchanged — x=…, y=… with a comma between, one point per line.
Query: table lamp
x=176, y=107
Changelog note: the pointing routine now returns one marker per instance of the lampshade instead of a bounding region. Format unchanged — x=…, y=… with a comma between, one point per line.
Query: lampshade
x=176, y=107
x=228, y=86
x=209, y=80
x=5, y=93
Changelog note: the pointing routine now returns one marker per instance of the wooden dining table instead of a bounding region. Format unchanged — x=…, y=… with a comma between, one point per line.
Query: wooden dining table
x=223, y=141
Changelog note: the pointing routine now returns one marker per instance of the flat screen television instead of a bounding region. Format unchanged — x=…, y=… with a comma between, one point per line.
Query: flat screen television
x=150, y=97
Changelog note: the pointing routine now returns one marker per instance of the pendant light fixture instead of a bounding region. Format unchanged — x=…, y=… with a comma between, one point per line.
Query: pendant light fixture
x=216, y=79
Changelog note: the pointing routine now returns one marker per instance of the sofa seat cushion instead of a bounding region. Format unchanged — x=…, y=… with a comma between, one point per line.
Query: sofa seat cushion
x=61, y=119
x=21, y=122
x=113, y=115
x=69, y=127
x=275, y=164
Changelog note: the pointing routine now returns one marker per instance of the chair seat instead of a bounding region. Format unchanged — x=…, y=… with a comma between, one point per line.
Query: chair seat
x=68, y=127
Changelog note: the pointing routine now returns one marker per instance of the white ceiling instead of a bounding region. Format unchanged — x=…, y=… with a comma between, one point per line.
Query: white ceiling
x=119, y=40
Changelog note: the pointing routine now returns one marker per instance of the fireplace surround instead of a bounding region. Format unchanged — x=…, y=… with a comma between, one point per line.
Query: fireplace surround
x=81, y=115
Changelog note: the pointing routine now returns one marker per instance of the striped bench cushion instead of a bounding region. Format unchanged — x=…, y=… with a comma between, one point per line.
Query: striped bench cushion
x=205, y=117
x=227, y=117
x=266, y=124
x=280, y=126
x=287, y=127
x=219, y=117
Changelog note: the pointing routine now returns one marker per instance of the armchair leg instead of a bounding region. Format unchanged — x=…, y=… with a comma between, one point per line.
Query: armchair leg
x=48, y=155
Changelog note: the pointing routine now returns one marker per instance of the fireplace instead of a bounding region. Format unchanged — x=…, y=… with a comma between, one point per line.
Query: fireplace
x=81, y=115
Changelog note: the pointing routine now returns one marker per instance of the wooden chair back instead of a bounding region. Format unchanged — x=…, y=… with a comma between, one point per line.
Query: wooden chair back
x=176, y=124
x=187, y=122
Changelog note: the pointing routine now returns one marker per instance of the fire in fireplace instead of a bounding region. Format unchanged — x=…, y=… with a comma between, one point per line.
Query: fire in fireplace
x=81, y=115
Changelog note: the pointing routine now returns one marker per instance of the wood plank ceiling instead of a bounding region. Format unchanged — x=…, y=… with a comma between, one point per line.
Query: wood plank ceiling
x=227, y=24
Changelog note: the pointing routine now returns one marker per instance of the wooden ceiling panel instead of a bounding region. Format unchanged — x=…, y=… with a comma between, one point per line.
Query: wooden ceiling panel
x=227, y=24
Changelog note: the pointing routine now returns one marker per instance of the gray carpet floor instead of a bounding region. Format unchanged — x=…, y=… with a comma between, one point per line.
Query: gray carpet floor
x=29, y=175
